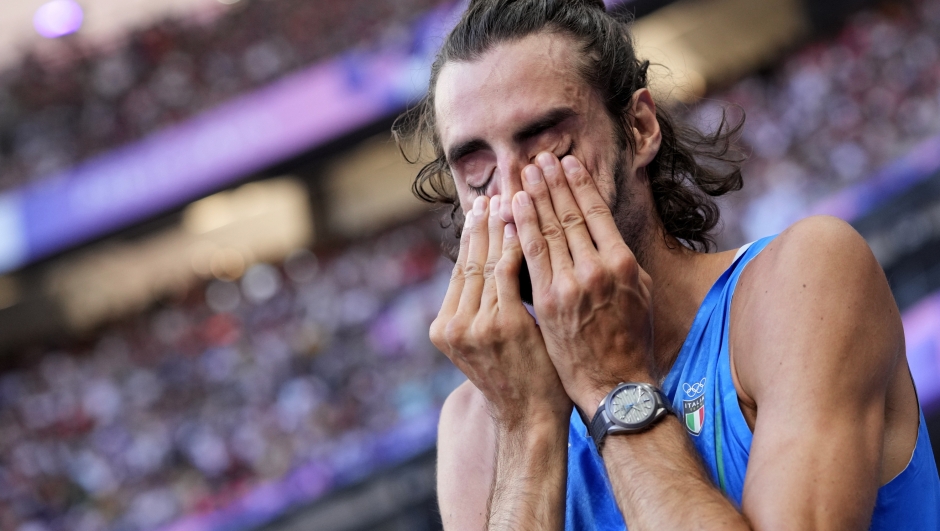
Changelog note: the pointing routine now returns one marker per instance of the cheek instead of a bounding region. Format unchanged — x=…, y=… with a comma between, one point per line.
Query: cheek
x=604, y=169
x=463, y=195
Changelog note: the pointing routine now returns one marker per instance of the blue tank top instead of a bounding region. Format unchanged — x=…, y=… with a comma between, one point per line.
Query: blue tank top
x=702, y=393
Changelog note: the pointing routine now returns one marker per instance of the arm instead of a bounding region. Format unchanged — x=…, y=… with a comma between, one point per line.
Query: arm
x=503, y=451
x=593, y=299
x=467, y=461
x=466, y=457
x=818, y=369
x=815, y=362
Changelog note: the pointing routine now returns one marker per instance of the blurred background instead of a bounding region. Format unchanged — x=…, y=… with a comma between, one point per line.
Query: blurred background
x=216, y=286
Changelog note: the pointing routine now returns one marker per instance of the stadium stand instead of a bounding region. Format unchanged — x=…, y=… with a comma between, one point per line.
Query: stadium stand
x=56, y=112
x=311, y=374
x=191, y=406
x=831, y=114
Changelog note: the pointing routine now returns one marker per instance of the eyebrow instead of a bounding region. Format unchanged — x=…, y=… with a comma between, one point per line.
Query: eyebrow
x=534, y=128
x=548, y=120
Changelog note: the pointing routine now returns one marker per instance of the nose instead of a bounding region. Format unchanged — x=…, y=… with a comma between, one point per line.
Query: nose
x=509, y=182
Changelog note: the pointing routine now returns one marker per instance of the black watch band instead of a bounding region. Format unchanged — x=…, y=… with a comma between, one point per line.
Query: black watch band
x=599, y=426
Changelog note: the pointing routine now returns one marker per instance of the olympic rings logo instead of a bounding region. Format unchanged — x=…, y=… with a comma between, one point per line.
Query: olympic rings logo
x=694, y=389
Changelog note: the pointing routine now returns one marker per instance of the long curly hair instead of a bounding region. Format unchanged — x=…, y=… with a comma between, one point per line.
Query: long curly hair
x=689, y=171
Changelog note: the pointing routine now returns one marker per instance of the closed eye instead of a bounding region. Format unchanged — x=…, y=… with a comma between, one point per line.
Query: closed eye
x=481, y=190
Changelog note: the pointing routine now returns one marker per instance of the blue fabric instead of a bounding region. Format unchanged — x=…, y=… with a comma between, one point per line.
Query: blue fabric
x=701, y=377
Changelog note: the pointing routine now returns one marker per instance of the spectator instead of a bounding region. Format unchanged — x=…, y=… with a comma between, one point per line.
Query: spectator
x=182, y=409
x=54, y=116
x=832, y=114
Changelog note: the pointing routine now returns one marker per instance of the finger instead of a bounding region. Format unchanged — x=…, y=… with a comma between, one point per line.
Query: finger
x=597, y=216
x=496, y=225
x=566, y=208
x=507, y=270
x=534, y=184
x=476, y=259
x=534, y=246
x=455, y=288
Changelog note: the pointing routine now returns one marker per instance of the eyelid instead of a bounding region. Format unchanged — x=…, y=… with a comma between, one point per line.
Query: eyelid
x=481, y=190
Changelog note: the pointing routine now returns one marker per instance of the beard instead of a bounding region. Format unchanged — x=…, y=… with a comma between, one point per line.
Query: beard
x=632, y=223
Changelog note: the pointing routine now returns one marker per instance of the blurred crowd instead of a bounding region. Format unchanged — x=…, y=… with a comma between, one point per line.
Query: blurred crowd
x=183, y=409
x=832, y=114
x=57, y=111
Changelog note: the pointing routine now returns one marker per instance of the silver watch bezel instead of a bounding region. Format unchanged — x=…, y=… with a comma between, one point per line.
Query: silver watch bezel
x=618, y=425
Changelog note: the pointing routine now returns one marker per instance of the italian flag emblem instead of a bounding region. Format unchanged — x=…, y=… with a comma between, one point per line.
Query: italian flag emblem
x=694, y=411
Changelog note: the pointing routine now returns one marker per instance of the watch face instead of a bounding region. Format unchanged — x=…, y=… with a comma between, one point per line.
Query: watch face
x=632, y=405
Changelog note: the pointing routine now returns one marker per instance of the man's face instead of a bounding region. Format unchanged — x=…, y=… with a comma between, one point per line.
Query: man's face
x=496, y=113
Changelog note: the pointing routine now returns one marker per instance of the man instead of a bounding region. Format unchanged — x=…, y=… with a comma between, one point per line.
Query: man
x=798, y=408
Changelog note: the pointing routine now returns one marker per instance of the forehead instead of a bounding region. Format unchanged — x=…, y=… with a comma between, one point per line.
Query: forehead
x=511, y=83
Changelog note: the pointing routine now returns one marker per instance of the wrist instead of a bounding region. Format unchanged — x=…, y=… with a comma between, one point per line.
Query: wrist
x=591, y=397
x=539, y=418
x=536, y=439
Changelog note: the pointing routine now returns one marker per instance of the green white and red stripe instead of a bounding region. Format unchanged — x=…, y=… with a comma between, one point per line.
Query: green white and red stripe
x=694, y=411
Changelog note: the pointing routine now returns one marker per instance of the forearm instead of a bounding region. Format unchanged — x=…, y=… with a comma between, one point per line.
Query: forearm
x=659, y=482
x=531, y=472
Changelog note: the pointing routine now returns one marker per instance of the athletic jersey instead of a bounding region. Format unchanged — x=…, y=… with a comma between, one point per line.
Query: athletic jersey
x=702, y=394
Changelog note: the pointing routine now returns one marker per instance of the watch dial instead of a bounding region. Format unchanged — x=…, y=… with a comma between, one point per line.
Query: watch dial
x=632, y=405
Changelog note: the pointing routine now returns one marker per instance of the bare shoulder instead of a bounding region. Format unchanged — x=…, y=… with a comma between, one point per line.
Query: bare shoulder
x=815, y=292
x=466, y=455
x=815, y=259
x=818, y=245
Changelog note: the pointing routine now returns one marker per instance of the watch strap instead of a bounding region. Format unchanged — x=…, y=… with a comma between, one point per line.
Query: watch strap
x=600, y=424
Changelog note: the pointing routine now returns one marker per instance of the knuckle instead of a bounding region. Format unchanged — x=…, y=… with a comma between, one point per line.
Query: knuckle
x=437, y=334
x=571, y=219
x=503, y=270
x=484, y=329
x=552, y=231
x=592, y=275
x=624, y=263
x=536, y=248
x=566, y=292
x=455, y=333
x=472, y=269
x=456, y=274
x=548, y=304
x=489, y=269
x=597, y=211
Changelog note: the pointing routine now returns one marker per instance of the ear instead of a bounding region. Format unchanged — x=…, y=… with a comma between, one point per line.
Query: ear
x=646, y=133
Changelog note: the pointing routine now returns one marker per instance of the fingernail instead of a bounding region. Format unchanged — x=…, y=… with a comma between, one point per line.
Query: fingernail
x=479, y=205
x=494, y=205
x=509, y=231
x=570, y=164
x=532, y=174
x=545, y=160
x=523, y=199
x=468, y=219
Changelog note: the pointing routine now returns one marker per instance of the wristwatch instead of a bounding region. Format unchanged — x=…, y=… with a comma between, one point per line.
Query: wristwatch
x=629, y=408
